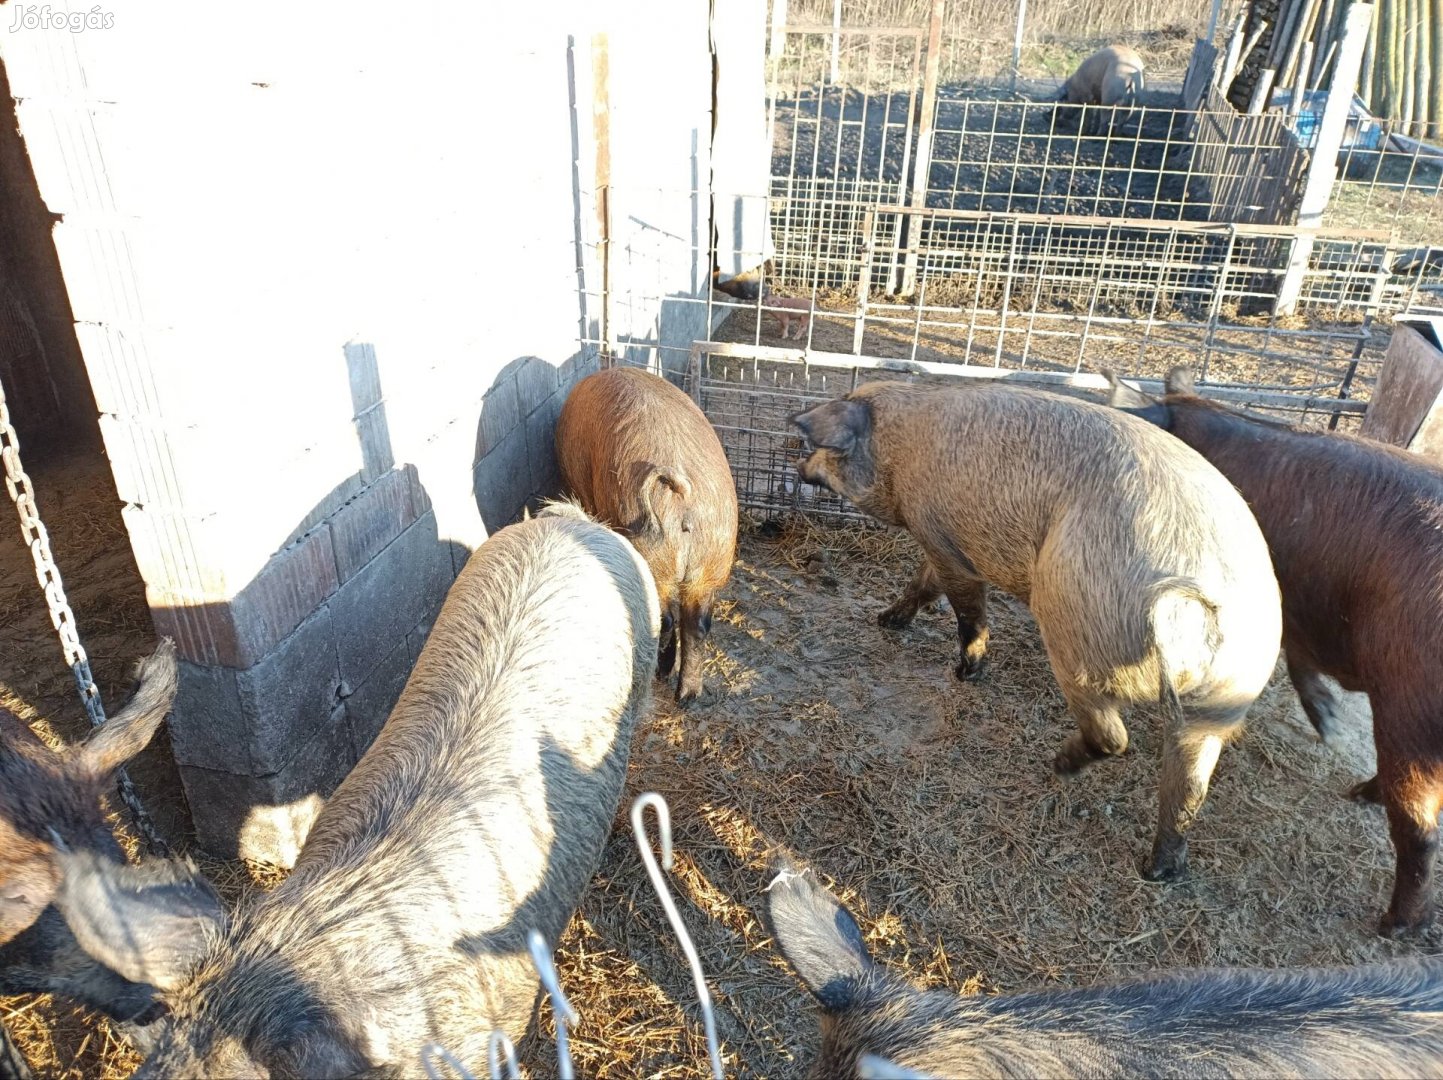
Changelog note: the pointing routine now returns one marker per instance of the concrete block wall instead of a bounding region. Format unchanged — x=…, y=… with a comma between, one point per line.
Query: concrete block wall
x=331, y=278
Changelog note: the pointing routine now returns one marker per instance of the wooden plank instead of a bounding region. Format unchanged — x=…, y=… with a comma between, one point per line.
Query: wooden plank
x=922, y=165
x=1323, y=165
x=1407, y=406
x=601, y=128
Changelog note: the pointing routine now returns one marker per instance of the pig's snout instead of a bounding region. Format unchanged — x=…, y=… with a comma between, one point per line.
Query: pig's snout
x=810, y=474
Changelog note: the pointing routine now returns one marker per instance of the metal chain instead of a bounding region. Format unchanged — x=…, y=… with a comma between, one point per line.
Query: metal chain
x=48, y=574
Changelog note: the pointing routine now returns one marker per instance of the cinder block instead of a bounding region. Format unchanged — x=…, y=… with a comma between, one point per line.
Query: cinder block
x=503, y=481
x=500, y=413
x=267, y=818
x=451, y=449
x=204, y=631
x=541, y=446
x=332, y=501
x=416, y=639
x=371, y=703
x=584, y=363
x=239, y=632
x=251, y=722
x=289, y=695
x=208, y=727
x=378, y=606
x=535, y=382
x=291, y=586
x=420, y=498
x=366, y=524
x=121, y=370
x=374, y=435
x=219, y=466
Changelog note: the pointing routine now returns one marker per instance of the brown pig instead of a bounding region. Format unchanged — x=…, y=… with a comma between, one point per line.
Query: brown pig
x=1356, y=532
x=1144, y=568
x=642, y=458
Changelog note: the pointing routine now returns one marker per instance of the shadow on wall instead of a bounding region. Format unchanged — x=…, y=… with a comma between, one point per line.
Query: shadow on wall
x=665, y=347
x=40, y=363
x=284, y=685
x=515, y=437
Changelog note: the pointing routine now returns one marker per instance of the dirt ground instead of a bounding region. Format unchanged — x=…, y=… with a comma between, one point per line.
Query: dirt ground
x=996, y=149
x=821, y=738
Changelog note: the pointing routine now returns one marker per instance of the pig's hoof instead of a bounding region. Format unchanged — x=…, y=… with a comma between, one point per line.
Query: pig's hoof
x=1325, y=723
x=687, y=693
x=1368, y=791
x=1165, y=869
x=971, y=668
x=1391, y=926
x=895, y=618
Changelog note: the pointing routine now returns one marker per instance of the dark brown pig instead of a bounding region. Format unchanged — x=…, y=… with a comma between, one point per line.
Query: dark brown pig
x=1356, y=533
x=76, y=918
x=1145, y=570
x=641, y=457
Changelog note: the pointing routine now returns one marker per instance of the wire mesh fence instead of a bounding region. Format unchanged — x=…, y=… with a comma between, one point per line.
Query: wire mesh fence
x=1390, y=176
x=750, y=392
x=922, y=229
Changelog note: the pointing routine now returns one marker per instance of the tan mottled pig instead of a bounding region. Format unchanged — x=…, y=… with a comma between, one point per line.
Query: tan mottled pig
x=1144, y=568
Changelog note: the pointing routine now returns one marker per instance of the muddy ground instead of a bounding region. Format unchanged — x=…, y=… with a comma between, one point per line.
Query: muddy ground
x=821, y=738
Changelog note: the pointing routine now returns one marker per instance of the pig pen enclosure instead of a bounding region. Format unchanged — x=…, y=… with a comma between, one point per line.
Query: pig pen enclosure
x=929, y=803
x=1023, y=252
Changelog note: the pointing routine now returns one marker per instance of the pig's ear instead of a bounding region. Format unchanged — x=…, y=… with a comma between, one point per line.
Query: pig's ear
x=150, y=923
x=125, y=734
x=818, y=936
x=1179, y=381
x=1123, y=396
x=838, y=425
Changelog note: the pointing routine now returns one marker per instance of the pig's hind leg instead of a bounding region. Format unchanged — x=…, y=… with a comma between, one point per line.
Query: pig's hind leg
x=1100, y=731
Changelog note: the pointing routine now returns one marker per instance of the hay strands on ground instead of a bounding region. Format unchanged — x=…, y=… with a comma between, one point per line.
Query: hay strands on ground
x=648, y=858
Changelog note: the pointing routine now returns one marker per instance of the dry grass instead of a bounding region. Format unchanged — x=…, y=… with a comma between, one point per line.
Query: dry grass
x=931, y=806
x=977, y=36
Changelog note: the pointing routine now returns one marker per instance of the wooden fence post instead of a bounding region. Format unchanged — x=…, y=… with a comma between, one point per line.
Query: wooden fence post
x=922, y=163
x=1323, y=165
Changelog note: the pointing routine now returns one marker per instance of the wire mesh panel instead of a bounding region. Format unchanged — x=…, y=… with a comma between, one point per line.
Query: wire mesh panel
x=843, y=102
x=1157, y=163
x=817, y=226
x=749, y=393
x=748, y=403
